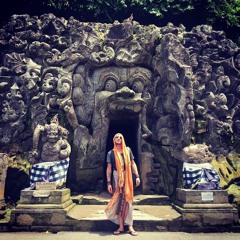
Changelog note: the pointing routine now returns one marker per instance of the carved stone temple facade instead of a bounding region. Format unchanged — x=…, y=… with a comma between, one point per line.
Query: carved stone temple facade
x=174, y=95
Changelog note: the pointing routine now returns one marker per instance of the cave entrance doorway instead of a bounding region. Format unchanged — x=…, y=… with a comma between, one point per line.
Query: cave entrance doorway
x=129, y=128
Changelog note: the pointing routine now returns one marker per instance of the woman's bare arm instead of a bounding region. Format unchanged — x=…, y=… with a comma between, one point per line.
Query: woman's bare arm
x=109, y=176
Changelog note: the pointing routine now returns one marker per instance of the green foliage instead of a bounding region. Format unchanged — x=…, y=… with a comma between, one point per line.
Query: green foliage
x=114, y=8
x=103, y=10
x=221, y=14
x=227, y=10
x=159, y=8
x=212, y=11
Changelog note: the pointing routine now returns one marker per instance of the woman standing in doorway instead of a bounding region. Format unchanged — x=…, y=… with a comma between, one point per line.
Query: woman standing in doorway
x=120, y=165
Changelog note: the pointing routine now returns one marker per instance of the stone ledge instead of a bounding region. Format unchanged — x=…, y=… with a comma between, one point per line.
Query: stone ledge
x=203, y=205
x=208, y=217
x=202, y=196
x=45, y=206
x=33, y=217
x=139, y=199
x=44, y=196
x=58, y=192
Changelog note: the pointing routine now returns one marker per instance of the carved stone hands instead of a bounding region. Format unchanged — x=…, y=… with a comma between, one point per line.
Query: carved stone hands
x=33, y=155
x=65, y=152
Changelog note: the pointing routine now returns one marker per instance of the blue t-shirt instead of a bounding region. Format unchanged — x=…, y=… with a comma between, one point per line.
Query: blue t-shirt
x=111, y=158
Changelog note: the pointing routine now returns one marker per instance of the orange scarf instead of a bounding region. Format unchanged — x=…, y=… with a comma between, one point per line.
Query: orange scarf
x=124, y=180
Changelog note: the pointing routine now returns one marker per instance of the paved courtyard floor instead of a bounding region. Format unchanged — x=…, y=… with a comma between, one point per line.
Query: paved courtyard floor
x=125, y=236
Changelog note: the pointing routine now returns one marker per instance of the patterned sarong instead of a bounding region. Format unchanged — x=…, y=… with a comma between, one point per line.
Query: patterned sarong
x=193, y=173
x=118, y=205
x=50, y=172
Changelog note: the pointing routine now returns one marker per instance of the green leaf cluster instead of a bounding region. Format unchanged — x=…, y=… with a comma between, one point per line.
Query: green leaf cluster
x=225, y=10
x=221, y=14
x=110, y=10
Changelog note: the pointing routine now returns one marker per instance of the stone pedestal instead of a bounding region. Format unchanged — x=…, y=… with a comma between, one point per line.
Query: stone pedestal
x=205, y=209
x=3, y=174
x=41, y=210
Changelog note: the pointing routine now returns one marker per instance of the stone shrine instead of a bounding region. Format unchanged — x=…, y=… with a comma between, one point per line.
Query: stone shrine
x=166, y=89
x=42, y=205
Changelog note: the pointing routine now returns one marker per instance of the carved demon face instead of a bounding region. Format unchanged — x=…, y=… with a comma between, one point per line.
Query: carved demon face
x=110, y=90
x=126, y=88
x=52, y=133
x=32, y=75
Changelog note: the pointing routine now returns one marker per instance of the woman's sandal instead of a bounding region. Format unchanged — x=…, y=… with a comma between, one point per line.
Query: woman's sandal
x=133, y=233
x=117, y=232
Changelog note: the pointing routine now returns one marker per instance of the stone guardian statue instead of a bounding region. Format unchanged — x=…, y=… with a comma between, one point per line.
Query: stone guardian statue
x=50, y=155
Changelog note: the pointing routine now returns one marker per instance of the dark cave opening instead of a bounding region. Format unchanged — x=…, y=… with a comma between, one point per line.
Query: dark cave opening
x=129, y=129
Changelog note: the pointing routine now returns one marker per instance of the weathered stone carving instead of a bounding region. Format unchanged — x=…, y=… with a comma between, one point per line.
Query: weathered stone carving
x=50, y=156
x=175, y=89
x=176, y=120
x=214, y=85
x=197, y=153
x=3, y=174
x=54, y=145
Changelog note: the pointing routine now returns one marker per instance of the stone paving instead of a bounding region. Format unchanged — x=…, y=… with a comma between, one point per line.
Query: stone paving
x=109, y=236
x=140, y=212
x=151, y=213
x=150, y=207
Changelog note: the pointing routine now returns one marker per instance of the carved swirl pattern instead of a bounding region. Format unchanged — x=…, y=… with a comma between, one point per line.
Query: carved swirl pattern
x=184, y=86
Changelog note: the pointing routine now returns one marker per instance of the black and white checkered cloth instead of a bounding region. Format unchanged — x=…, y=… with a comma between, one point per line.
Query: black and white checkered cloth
x=193, y=173
x=50, y=172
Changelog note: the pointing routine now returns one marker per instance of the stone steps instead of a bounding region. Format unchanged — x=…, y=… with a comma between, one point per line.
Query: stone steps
x=86, y=213
x=151, y=213
x=146, y=218
x=103, y=199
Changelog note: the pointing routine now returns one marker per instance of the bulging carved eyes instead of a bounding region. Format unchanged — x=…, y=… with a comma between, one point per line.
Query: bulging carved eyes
x=238, y=89
x=110, y=85
x=137, y=86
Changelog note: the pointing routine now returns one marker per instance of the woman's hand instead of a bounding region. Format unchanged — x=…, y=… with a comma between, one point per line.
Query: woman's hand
x=137, y=181
x=109, y=188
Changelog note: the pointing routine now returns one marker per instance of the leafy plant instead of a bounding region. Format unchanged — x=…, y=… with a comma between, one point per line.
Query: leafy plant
x=221, y=14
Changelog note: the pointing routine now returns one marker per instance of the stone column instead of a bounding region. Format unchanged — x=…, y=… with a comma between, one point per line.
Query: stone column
x=3, y=174
x=146, y=169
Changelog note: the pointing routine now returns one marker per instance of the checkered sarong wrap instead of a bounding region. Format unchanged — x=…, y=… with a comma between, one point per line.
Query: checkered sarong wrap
x=50, y=172
x=192, y=173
